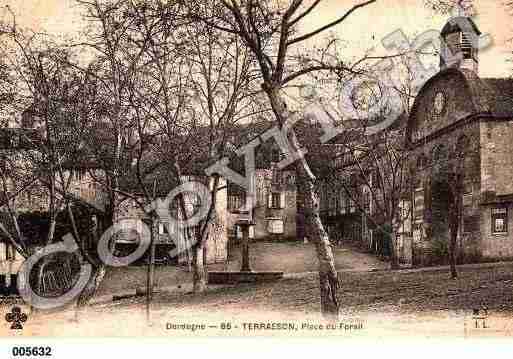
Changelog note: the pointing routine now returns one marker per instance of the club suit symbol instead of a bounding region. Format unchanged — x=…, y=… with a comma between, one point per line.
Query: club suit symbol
x=17, y=318
x=480, y=315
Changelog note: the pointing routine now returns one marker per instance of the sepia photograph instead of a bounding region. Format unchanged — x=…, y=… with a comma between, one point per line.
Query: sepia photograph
x=336, y=169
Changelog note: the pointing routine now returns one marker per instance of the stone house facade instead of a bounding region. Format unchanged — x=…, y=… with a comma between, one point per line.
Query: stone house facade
x=172, y=245
x=276, y=211
x=341, y=211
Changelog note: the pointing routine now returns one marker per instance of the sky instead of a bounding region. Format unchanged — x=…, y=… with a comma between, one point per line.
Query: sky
x=362, y=30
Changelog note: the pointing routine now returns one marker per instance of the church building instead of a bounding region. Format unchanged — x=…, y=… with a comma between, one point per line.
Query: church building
x=462, y=121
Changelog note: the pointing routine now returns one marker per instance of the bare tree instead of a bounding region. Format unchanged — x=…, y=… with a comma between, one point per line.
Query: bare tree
x=270, y=31
x=455, y=169
x=464, y=7
x=376, y=179
x=54, y=101
x=194, y=85
x=456, y=184
x=179, y=88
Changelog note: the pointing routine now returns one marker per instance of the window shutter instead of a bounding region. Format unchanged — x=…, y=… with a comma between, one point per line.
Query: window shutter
x=282, y=200
x=161, y=228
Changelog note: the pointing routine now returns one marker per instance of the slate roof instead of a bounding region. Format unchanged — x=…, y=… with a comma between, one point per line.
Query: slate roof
x=501, y=101
x=492, y=95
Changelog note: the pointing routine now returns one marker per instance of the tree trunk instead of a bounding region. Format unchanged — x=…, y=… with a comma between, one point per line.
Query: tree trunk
x=453, y=235
x=199, y=276
x=455, y=205
x=97, y=275
x=394, y=259
x=99, y=269
x=328, y=276
x=202, y=233
x=452, y=254
x=44, y=261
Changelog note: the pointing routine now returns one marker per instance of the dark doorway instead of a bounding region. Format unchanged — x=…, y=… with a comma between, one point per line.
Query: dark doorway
x=440, y=211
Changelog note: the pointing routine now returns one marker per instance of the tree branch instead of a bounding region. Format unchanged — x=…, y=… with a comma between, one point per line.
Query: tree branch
x=331, y=24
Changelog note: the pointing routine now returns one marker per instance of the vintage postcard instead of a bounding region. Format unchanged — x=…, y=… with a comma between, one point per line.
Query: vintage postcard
x=255, y=168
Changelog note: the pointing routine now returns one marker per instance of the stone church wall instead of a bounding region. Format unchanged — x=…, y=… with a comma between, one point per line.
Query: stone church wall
x=497, y=158
x=496, y=186
x=431, y=231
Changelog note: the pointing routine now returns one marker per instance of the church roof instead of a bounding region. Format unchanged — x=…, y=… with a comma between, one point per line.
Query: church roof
x=492, y=95
x=453, y=25
x=482, y=93
x=488, y=95
x=502, y=95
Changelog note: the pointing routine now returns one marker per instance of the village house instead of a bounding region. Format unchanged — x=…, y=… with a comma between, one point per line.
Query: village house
x=173, y=246
x=275, y=212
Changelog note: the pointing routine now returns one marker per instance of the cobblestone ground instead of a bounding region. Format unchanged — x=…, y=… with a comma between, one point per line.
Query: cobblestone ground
x=403, y=303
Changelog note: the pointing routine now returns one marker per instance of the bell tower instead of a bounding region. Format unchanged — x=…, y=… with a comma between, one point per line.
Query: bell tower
x=460, y=44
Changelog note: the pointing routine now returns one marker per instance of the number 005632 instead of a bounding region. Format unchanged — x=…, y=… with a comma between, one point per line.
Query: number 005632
x=31, y=351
